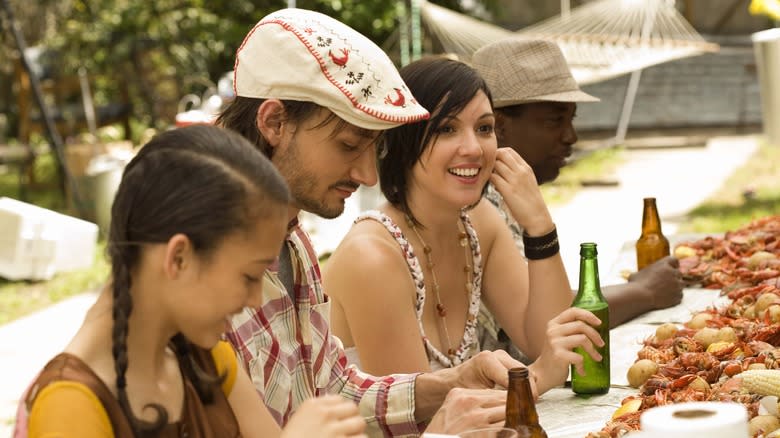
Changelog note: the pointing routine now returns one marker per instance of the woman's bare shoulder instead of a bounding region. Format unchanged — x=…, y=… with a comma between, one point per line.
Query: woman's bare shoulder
x=487, y=222
x=367, y=254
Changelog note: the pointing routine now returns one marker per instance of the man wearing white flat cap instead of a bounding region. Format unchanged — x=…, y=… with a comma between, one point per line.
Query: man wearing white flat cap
x=535, y=101
x=314, y=95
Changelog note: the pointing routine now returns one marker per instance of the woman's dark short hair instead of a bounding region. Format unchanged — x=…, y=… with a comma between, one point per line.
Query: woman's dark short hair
x=444, y=87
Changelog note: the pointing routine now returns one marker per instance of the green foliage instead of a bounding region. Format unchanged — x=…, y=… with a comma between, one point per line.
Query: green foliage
x=158, y=47
x=44, y=193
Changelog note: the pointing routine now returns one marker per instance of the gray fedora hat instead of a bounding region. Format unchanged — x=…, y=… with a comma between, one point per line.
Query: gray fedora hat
x=521, y=71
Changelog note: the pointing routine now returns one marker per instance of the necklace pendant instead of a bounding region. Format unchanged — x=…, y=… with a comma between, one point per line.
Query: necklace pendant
x=441, y=310
x=451, y=352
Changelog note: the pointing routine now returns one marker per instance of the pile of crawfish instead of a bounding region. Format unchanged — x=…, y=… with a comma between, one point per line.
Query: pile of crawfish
x=745, y=257
x=702, y=360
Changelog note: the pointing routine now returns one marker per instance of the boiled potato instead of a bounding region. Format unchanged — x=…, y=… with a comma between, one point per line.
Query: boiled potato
x=727, y=334
x=758, y=257
x=765, y=300
x=706, y=336
x=683, y=251
x=699, y=320
x=773, y=313
x=640, y=371
x=665, y=331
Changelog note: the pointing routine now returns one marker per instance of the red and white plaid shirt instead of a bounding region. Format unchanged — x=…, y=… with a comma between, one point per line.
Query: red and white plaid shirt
x=291, y=354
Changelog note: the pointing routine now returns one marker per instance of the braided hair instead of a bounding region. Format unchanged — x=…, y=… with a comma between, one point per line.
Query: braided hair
x=201, y=181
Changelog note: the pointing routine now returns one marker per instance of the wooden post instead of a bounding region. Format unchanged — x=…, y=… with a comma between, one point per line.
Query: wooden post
x=689, y=11
x=416, y=31
x=565, y=8
x=403, y=31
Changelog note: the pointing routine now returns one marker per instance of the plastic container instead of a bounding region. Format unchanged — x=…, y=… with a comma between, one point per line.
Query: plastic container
x=766, y=45
x=36, y=243
x=104, y=174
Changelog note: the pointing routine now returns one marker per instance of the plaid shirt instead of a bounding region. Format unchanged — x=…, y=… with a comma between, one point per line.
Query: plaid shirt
x=292, y=356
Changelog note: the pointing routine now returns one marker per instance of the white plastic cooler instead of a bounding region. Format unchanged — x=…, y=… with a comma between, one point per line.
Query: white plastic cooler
x=36, y=243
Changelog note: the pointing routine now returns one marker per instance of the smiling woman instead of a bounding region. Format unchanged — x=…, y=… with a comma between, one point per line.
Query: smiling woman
x=408, y=279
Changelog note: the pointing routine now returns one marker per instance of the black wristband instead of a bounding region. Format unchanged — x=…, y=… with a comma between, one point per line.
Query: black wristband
x=541, y=247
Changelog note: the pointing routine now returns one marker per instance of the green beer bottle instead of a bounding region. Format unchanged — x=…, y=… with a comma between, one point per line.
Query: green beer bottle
x=589, y=297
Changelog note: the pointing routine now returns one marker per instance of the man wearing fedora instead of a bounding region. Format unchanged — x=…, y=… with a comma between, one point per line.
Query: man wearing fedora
x=314, y=95
x=535, y=101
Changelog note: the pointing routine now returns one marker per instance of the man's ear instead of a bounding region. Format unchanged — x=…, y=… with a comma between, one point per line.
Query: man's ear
x=270, y=121
x=179, y=254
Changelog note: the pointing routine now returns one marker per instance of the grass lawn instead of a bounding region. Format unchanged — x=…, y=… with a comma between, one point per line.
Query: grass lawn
x=19, y=298
x=753, y=191
x=596, y=164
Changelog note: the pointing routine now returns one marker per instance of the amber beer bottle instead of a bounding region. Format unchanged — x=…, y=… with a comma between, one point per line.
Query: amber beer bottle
x=520, y=408
x=652, y=245
x=589, y=297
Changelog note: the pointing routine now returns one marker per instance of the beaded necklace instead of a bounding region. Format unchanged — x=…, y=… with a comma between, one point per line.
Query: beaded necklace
x=440, y=309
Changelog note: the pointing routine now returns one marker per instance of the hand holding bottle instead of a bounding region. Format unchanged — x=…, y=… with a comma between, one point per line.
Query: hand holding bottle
x=572, y=328
x=466, y=409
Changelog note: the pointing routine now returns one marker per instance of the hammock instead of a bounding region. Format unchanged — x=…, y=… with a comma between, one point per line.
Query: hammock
x=601, y=40
x=459, y=34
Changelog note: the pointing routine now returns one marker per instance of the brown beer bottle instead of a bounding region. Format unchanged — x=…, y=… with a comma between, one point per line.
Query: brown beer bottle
x=652, y=245
x=520, y=408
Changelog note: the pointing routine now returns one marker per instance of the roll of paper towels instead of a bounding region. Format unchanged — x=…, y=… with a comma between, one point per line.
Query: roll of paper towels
x=695, y=419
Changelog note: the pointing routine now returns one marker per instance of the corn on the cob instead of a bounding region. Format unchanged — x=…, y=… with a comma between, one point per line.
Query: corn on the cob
x=762, y=382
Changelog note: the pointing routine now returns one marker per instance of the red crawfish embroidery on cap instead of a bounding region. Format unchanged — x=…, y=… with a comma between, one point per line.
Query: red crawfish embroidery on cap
x=399, y=100
x=340, y=61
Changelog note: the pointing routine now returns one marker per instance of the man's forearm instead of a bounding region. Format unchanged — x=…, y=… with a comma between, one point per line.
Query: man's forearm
x=626, y=301
x=430, y=389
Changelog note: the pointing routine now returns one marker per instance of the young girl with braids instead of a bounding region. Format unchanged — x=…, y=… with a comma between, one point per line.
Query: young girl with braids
x=197, y=219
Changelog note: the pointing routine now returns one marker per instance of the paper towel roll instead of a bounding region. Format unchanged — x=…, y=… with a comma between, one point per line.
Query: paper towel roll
x=695, y=419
